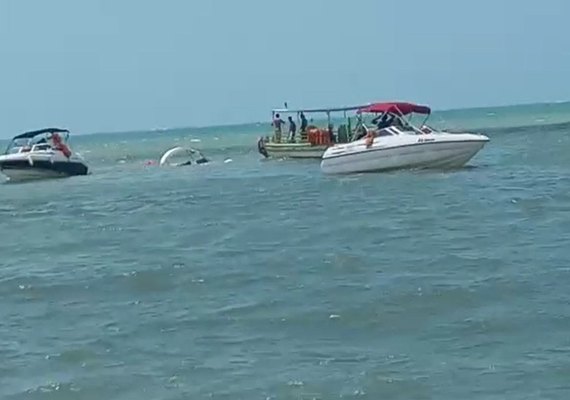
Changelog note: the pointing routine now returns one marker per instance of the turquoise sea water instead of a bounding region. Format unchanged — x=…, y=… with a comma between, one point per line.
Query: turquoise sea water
x=257, y=279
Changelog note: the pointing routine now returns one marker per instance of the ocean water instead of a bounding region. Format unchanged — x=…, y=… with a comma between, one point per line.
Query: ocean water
x=257, y=279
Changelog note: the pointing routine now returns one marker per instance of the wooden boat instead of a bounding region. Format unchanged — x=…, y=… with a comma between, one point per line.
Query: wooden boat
x=311, y=141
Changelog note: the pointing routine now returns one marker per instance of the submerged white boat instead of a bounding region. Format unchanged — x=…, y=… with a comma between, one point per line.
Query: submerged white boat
x=397, y=144
x=41, y=154
x=181, y=156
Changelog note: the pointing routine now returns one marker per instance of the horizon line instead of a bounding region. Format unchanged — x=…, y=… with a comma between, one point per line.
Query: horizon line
x=226, y=125
x=237, y=124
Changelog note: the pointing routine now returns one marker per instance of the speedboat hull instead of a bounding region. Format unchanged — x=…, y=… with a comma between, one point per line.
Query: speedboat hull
x=430, y=151
x=27, y=168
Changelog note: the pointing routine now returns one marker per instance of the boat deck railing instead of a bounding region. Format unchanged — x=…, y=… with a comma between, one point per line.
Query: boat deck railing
x=341, y=135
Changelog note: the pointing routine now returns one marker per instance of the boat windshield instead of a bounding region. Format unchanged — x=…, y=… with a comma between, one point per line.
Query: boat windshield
x=18, y=145
x=386, y=132
x=389, y=124
x=41, y=142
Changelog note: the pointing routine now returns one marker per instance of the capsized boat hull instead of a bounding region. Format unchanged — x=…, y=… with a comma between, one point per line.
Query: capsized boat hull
x=432, y=151
x=187, y=156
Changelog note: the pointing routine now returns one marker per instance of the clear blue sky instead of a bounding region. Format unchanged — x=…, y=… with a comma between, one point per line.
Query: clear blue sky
x=114, y=65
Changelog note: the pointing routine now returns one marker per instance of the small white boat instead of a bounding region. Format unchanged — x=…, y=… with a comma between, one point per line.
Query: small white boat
x=181, y=156
x=41, y=154
x=401, y=145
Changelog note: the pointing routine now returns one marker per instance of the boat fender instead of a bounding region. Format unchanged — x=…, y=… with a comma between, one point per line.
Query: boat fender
x=30, y=161
x=261, y=148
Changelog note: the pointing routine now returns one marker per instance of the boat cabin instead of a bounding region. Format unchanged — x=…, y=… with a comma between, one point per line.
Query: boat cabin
x=317, y=126
x=390, y=119
x=35, y=141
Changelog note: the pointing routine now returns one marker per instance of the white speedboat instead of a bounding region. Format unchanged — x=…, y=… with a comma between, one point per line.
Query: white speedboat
x=41, y=154
x=397, y=144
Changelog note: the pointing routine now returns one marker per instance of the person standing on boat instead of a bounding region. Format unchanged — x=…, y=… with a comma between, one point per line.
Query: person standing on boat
x=383, y=123
x=277, y=123
x=59, y=145
x=304, y=122
x=292, y=129
x=303, y=129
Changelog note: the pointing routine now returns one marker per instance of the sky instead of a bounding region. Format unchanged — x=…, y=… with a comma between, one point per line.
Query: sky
x=121, y=65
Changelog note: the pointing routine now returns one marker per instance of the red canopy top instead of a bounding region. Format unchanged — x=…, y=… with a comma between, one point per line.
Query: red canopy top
x=396, y=108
